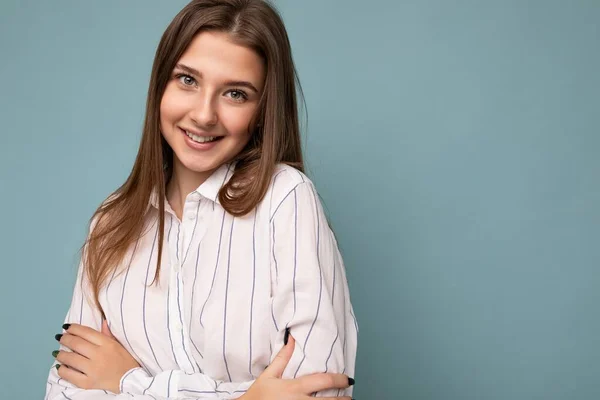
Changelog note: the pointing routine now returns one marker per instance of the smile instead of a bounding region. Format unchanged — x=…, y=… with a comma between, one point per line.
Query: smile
x=202, y=139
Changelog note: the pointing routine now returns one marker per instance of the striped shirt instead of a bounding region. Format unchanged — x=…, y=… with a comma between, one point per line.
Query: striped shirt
x=228, y=289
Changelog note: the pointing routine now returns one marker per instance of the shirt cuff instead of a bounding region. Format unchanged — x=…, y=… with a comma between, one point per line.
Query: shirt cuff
x=133, y=381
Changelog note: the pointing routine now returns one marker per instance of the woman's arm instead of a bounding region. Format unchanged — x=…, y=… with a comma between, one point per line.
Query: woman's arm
x=311, y=295
x=137, y=382
x=268, y=386
x=172, y=384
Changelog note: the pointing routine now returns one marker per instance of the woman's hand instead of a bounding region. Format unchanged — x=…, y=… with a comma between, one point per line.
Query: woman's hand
x=97, y=360
x=270, y=385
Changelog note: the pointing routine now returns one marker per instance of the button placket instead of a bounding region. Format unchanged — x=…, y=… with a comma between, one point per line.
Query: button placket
x=174, y=289
x=190, y=228
x=182, y=342
x=189, y=222
x=178, y=311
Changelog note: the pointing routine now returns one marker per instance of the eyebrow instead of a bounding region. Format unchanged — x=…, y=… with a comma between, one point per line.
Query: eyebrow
x=193, y=71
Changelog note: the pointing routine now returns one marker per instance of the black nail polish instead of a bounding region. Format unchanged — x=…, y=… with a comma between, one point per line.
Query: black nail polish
x=58, y=336
x=57, y=366
x=286, y=336
x=350, y=381
x=55, y=353
x=66, y=326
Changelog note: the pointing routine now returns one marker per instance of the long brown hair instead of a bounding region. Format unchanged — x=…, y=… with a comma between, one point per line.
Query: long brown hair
x=255, y=24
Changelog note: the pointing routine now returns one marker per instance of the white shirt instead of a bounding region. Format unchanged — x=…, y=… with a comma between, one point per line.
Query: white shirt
x=229, y=287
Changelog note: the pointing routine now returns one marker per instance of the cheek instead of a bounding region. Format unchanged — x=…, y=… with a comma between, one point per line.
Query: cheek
x=168, y=116
x=237, y=121
x=166, y=108
x=172, y=106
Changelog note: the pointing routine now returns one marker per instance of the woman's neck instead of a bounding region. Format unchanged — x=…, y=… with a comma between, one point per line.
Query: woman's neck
x=183, y=182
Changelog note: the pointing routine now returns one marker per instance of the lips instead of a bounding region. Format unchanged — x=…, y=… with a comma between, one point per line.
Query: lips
x=200, y=143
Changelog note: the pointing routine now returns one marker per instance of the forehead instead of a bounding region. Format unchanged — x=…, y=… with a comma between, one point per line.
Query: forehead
x=216, y=57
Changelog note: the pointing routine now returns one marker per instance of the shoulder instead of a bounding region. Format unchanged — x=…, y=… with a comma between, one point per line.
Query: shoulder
x=285, y=178
x=285, y=181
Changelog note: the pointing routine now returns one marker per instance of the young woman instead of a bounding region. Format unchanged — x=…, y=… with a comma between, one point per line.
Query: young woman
x=216, y=250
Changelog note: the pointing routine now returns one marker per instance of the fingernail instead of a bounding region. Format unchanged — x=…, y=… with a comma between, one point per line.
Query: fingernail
x=66, y=326
x=55, y=353
x=286, y=336
x=57, y=366
x=58, y=336
x=350, y=381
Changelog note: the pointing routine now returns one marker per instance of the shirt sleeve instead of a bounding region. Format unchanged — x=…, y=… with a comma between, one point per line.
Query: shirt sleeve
x=310, y=296
x=136, y=384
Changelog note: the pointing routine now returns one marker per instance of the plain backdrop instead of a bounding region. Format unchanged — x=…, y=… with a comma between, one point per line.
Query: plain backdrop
x=455, y=145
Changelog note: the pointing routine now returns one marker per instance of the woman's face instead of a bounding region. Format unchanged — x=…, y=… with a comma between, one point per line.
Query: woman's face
x=209, y=101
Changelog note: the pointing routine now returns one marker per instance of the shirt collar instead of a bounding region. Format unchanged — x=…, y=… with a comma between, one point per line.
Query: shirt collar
x=209, y=188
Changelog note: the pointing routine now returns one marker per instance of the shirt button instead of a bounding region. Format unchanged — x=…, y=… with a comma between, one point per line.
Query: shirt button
x=177, y=326
x=195, y=196
x=177, y=267
x=191, y=215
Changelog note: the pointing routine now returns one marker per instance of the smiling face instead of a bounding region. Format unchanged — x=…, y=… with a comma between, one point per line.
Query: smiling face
x=209, y=102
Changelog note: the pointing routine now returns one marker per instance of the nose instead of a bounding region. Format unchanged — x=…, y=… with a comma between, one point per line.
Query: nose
x=203, y=111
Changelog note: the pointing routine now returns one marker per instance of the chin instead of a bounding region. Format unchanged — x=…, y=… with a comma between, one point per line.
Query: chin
x=201, y=167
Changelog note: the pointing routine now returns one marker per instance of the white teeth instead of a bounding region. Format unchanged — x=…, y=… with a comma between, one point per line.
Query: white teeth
x=200, y=139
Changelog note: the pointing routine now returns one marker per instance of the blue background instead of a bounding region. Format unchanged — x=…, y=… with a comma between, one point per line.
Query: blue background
x=455, y=145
